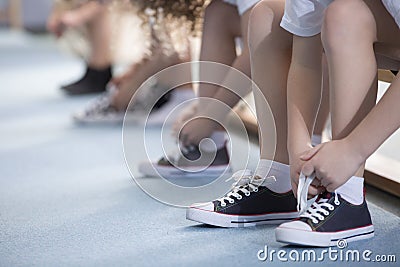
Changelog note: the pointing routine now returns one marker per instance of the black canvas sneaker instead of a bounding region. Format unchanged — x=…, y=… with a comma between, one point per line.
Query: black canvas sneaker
x=189, y=163
x=329, y=219
x=249, y=203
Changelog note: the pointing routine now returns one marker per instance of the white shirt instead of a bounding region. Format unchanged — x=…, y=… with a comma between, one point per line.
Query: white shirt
x=305, y=17
x=242, y=5
x=393, y=6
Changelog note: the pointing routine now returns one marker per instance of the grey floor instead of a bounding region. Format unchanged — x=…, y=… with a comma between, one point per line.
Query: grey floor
x=67, y=198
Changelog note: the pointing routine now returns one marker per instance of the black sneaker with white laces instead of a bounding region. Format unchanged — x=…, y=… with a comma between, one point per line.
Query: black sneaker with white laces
x=189, y=164
x=329, y=219
x=249, y=203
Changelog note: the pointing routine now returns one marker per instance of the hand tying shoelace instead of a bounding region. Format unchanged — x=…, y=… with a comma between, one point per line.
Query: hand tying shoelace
x=325, y=219
x=319, y=206
x=245, y=182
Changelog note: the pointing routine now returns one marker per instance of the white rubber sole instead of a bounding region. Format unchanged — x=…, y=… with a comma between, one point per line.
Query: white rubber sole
x=98, y=120
x=318, y=239
x=115, y=119
x=152, y=169
x=232, y=221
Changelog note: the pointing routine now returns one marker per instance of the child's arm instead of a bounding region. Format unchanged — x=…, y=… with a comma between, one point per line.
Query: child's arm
x=83, y=14
x=62, y=16
x=304, y=94
x=381, y=122
x=365, y=139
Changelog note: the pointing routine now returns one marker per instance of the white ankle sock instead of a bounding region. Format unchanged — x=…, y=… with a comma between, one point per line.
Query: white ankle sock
x=219, y=138
x=316, y=139
x=353, y=190
x=279, y=170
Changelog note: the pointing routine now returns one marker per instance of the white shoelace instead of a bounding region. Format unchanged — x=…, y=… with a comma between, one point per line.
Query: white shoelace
x=316, y=211
x=245, y=182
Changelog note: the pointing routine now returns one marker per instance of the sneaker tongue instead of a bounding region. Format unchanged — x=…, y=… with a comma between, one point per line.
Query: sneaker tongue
x=326, y=195
x=189, y=153
x=258, y=181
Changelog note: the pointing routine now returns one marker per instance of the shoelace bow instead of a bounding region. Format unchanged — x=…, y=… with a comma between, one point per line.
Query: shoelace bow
x=318, y=209
x=245, y=182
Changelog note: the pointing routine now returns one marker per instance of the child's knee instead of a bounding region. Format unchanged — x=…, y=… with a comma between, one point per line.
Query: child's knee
x=345, y=19
x=223, y=18
x=215, y=10
x=264, y=17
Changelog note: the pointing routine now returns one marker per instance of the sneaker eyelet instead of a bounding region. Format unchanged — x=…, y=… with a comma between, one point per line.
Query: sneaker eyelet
x=337, y=203
x=331, y=208
x=223, y=204
x=255, y=190
x=239, y=197
x=247, y=194
x=231, y=201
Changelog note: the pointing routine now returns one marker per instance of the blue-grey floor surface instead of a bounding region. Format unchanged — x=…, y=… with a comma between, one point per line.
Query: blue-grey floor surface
x=67, y=198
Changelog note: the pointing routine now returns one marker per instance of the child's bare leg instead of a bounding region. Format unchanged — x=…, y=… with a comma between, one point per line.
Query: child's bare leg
x=99, y=34
x=353, y=67
x=270, y=47
x=323, y=112
x=94, y=17
x=218, y=39
x=196, y=130
x=138, y=74
x=241, y=63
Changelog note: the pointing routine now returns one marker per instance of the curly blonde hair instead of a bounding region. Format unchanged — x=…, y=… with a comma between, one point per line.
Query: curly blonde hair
x=190, y=11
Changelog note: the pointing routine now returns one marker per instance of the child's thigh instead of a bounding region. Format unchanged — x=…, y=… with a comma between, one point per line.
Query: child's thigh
x=265, y=21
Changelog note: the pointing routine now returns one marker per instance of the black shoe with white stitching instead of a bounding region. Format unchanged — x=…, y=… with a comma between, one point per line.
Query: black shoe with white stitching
x=249, y=203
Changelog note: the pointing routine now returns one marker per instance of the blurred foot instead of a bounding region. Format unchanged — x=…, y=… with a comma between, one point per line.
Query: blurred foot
x=94, y=81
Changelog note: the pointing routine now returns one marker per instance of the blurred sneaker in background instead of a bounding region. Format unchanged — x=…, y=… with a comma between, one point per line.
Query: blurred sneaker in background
x=93, y=81
x=191, y=162
x=101, y=109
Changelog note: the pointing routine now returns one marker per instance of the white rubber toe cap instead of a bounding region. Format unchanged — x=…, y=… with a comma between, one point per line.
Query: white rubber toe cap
x=78, y=116
x=147, y=168
x=297, y=225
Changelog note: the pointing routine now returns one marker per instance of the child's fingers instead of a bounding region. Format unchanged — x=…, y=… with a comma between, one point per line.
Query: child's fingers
x=294, y=189
x=311, y=153
x=314, y=190
x=308, y=169
x=316, y=182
